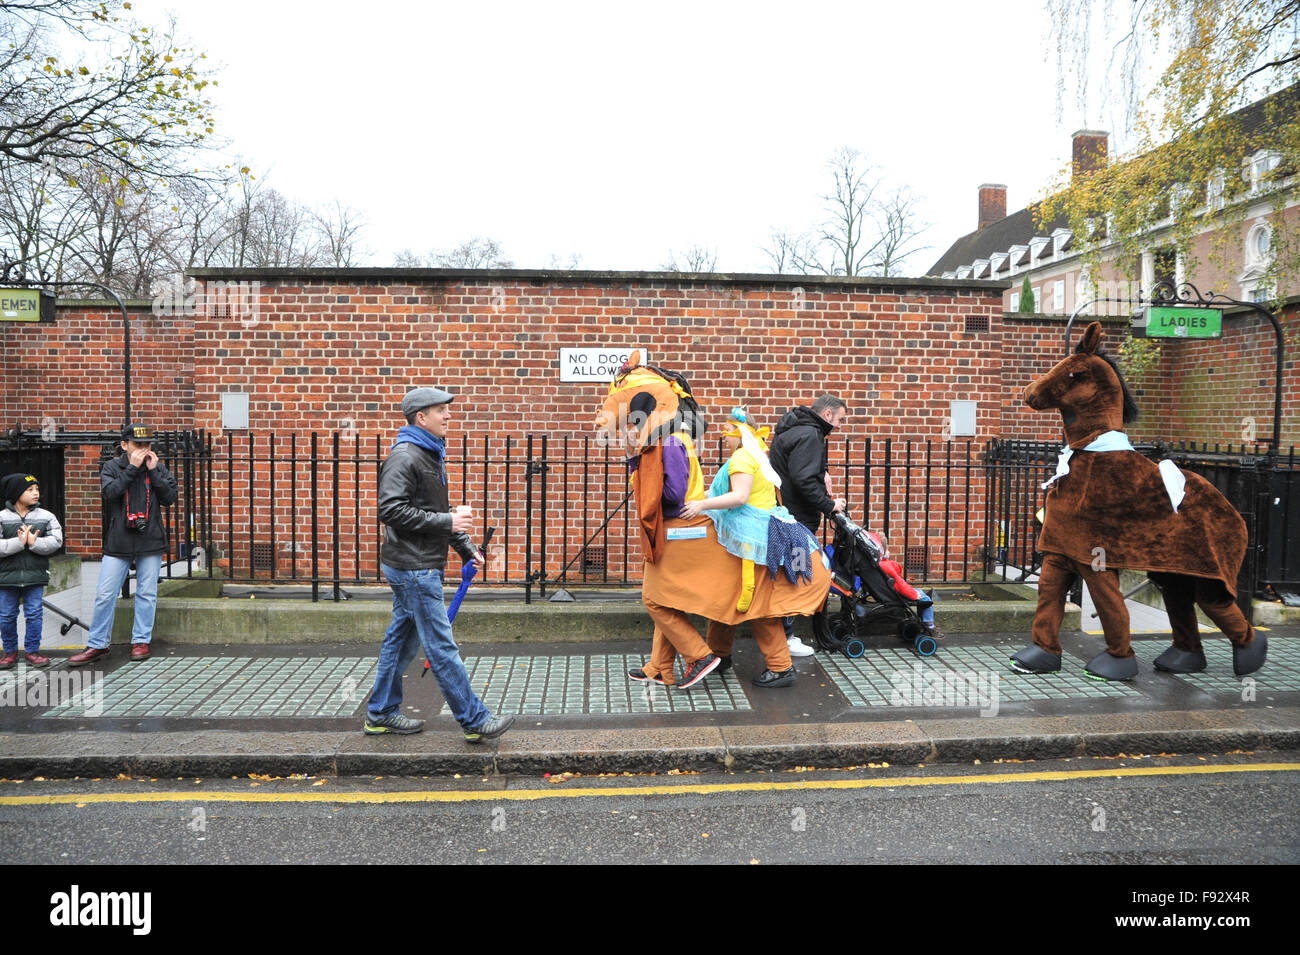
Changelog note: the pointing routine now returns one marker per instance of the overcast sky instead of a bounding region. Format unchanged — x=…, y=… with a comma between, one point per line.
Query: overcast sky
x=620, y=132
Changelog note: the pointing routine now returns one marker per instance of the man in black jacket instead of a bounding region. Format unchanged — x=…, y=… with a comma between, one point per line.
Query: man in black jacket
x=799, y=455
x=134, y=488
x=414, y=506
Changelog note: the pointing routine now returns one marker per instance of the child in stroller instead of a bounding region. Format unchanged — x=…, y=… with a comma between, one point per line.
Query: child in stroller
x=871, y=590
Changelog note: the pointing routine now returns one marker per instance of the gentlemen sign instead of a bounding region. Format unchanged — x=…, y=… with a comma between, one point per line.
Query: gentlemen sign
x=26, y=305
x=598, y=363
x=1178, y=321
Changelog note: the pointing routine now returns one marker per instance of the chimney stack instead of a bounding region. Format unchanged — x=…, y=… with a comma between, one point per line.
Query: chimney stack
x=993, y=203
x=1089, y=152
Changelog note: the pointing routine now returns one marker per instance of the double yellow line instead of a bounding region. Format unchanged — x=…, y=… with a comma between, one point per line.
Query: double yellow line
x=527, y=795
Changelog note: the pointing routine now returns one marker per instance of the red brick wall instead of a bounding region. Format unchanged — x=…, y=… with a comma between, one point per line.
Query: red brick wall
x=340, y=356
x=1223, y=391
x=330, y=355
x=69, y=375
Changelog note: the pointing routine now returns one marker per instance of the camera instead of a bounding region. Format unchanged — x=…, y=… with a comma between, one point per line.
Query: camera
x=137, y=522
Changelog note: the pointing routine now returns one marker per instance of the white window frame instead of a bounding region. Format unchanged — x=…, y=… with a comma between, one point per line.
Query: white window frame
x=1015, y=302
x=1058, y=295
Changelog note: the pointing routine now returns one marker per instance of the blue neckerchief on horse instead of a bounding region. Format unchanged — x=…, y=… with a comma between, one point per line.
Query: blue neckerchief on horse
x=1118, y=441
x=421, y=438
x=1107, y=441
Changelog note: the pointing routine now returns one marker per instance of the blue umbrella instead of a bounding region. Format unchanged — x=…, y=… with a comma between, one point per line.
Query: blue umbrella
x=467, y=575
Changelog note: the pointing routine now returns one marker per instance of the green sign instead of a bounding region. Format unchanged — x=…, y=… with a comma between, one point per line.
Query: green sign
x=26, y=305
x=1178, y=321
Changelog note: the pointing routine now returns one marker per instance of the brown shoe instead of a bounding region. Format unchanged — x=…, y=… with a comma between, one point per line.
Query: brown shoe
x=8, y=661
x=139, y=651
x=86, y=655
x=36, y=660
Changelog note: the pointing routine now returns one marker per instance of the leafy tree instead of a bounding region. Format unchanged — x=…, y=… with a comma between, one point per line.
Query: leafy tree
x=126, y=98
x=1027, y=298
x=1188, y=170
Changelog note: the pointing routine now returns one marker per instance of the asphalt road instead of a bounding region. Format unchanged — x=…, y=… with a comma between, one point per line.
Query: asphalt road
x=1101, y=811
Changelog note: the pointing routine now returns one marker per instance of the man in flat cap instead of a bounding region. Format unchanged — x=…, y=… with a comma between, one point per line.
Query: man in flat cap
x=414, y=506
x=134, y=488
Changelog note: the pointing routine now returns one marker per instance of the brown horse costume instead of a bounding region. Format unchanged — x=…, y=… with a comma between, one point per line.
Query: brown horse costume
x=686, y=569
x=1112, y=511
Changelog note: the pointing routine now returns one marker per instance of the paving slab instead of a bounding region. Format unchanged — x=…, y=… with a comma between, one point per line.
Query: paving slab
x=284, y=709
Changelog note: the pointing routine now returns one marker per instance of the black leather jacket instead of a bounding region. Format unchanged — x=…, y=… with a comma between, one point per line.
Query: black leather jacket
x=413, y=505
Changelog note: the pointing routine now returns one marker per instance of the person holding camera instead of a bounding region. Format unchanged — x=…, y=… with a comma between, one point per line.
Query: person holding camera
x=134, y=488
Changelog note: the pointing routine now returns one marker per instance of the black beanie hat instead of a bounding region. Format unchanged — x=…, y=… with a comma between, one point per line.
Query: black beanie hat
x=12, y=486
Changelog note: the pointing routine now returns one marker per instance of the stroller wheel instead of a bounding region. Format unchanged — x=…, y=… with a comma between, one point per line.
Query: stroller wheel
x=909, y=631
x=833, y=629
x=926, y=645
x=855, y=648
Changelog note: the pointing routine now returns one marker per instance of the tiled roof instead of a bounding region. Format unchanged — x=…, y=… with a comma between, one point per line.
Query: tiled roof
x=1018, y=228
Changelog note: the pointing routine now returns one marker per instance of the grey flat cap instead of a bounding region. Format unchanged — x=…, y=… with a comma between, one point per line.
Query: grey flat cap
x=420, y=398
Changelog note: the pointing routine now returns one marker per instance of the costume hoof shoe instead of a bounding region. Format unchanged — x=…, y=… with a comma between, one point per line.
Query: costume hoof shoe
x=1174, y=660
x=1034, y=659
x=1106, y=667
x=1250, y=658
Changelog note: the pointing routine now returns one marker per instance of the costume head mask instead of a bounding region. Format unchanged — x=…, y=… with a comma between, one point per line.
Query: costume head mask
x=640, y=398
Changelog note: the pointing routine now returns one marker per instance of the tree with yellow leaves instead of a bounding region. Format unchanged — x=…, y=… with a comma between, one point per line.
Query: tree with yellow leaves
x=84, y=85
x=1199, y=155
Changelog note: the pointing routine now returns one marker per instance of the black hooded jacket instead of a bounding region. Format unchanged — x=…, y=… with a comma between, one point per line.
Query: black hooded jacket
x=121, y=482
x=799, y=455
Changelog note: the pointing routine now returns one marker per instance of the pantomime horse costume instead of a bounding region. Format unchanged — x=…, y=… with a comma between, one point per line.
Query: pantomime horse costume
x=686, y=569
x=1109, y=508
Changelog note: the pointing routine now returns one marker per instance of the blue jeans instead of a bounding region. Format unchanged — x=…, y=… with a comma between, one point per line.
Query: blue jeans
x=111, y=575
x=29, y=598
x=420, y=620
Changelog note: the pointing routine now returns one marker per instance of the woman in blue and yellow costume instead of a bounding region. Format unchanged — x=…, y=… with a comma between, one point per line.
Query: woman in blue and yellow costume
x=742, y=503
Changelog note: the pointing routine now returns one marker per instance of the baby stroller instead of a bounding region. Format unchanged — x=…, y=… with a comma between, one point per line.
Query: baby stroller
x=866, y=597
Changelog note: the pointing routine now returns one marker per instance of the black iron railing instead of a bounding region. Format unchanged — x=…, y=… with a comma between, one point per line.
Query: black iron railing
x=302, y=508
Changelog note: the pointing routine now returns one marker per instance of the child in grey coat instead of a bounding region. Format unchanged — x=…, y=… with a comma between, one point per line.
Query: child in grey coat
x=28, y=536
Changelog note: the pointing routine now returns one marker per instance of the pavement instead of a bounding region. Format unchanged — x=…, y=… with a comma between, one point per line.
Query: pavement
x=284, y=710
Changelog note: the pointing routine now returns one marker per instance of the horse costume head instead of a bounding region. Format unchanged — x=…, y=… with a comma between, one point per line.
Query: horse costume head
x=653, y=402
x=1088, y=389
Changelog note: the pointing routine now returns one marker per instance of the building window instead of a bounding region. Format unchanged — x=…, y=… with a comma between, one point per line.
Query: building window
x=1214, y=191
x=1058, y=295
x=1260, y=167
x=1015, y=302
x=1259, y=244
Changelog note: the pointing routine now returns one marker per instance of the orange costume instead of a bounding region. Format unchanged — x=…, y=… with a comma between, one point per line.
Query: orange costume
x=686, y=570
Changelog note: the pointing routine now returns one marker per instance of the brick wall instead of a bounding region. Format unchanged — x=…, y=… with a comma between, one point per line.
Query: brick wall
x=69, y=376
x=335, y=351
x=339, y=354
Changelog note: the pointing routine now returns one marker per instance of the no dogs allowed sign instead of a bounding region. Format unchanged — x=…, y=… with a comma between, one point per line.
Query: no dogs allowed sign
x=598, y=363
